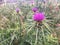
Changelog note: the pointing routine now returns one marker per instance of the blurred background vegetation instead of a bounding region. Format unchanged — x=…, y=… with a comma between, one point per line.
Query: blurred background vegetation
x=20, y=28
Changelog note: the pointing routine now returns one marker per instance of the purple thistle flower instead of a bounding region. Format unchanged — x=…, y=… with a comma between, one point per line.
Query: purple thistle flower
x=17, y=10
x=38, y=16
x=34, y=9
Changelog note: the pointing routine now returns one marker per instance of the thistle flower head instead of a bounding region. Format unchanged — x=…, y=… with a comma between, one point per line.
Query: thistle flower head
x=38, y=16
x=34, y=9
x=17, y=10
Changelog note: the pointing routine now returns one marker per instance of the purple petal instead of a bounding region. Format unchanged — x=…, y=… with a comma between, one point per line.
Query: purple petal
x=38, y=17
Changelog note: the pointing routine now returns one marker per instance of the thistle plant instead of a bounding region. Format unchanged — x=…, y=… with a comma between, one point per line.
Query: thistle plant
x=40, y=32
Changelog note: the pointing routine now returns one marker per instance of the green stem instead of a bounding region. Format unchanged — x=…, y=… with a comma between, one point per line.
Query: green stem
x=36, y=36
x=44, y=42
